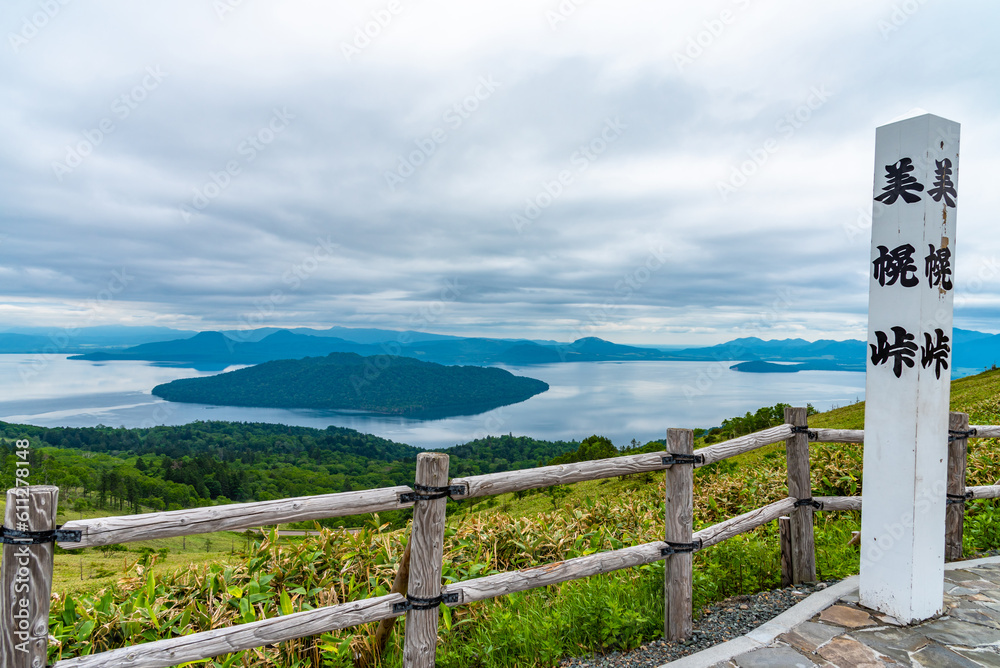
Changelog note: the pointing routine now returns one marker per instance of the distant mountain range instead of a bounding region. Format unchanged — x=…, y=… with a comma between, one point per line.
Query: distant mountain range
x=217, y=348
x=972, y=350
x=346, y=381
x=75, y=340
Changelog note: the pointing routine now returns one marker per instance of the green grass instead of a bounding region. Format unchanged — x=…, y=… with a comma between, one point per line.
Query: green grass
x=967, y=396
x=91, y=569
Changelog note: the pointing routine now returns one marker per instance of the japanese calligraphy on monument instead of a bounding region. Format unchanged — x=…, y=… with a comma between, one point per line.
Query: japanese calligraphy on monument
x=902, y=350
x=937, y=267
x=910, y=298
x=896, y=264
x=900, y=183
x=943, y=186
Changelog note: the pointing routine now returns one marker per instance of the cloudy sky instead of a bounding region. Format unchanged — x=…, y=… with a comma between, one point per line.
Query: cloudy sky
x=648, y=172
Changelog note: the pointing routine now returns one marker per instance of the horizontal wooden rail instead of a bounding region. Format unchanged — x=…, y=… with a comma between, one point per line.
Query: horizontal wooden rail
x=743, y=444
x=858, y=435
x=854, y=502
x=837, y=435
x=839, y=502
x=204, y=645
x=984, y=492
x=501, y=584
x=233, y=517
x=565, y=474
x=742, y=523
x=560, y=474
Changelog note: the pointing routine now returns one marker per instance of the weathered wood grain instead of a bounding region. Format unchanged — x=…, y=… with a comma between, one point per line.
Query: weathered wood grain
x=984, y=491
x=839, y=502
x=207, y=644
x=562, y=474
x=737, y=446
x=233, y=517
x=858, y=435
x=742, y=523
x=785, y=541
x=426, y=554
x=26, y=577
x=565, y=474
x=501, y=584
x=837, y=435
x=679, y=516
x=799, y=487
x=954, y=514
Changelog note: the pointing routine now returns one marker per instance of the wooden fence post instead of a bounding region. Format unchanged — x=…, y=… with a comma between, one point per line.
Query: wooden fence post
x=785, y=540
x=426, y=554
x=677, y=620
x=954, y=514
x=26, y=578
x=800, y=487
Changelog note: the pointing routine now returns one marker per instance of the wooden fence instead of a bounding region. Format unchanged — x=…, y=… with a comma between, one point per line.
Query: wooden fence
x=34, y=508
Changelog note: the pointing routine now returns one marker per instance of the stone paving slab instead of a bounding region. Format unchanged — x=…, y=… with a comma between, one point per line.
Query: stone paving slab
x=832, y=630
x=846, y=616
x=980, y=657
x=773, y=657
x=895, y=643
x=936, y=656
x=809, y=636
x=844, y=651
x=949, y=630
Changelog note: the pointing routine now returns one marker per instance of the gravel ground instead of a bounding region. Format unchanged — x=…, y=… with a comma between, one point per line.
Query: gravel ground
x=723, y=621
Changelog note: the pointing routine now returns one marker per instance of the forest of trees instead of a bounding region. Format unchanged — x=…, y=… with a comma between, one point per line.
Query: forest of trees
x=169, y=468
x=380, y=384
x=768, y=416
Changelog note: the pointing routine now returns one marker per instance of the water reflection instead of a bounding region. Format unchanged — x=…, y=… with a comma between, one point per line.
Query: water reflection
x=620, y=400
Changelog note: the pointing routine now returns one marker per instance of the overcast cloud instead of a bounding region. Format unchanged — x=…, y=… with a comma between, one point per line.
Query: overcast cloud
x=537, y=169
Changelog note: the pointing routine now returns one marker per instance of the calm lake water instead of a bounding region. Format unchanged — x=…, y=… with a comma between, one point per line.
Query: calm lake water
x=620, y=400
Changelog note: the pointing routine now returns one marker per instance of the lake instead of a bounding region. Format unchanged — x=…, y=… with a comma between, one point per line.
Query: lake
x=620, y=400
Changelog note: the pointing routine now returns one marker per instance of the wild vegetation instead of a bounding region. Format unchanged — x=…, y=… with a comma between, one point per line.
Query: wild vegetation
x=535, y=628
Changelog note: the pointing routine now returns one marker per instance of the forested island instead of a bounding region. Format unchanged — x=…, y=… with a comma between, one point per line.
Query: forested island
x=383, y=384
x=759, y=366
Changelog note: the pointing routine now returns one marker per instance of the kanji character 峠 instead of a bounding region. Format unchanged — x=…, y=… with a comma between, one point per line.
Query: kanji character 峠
x=902, y=349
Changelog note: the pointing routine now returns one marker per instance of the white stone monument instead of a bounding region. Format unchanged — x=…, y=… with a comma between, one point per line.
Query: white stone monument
x=908, y=375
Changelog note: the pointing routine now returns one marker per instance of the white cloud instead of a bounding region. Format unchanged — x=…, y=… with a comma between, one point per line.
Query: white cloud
x=689, y=126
